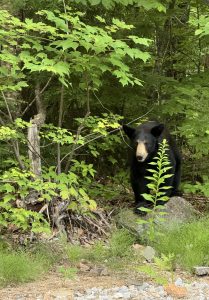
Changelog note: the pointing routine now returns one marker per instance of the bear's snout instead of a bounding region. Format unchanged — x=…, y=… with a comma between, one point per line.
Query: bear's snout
x=141, y=152
x=139, y=158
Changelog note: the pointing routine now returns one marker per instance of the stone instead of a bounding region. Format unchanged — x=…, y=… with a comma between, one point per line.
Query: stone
x=104, y=272
x=178, y=211
x=118, y=295
x=201, y=271
x=149, y=253
x=179, y=282
x=176, y=291
x=96, y=271
x=138, y=247
x=84, y=267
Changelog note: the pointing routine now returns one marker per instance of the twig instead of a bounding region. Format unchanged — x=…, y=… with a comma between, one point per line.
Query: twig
x=7, y=106
x=14, y=144
x=95, y=225
x=31, y=103
x=79, y=129
x=102, y=136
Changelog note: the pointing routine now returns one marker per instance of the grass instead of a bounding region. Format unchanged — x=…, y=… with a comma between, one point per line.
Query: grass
x=24, y=266
x=189, y=243
x=115, y=253
x=18, y=268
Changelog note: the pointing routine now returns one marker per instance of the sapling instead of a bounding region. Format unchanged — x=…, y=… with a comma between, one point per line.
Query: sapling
x=157, y=187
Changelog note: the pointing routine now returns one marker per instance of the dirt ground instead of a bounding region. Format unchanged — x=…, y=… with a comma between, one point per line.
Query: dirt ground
x=55, y=286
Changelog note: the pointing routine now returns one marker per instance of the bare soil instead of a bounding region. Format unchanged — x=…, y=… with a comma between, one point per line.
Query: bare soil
x=54, y=286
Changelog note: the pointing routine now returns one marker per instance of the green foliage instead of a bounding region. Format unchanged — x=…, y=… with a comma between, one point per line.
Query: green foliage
x=114, y=253
x=164, y=262
x=157, y=187
x=188, y=243
x=83, y=50
x=68, y=273
x=75, y=253
x=18, y=184
x=153, y=273
x=108, y=4
x=190, y=104
x=197, y=187
x=17, y=266
x=120, y=243
x=100, y=46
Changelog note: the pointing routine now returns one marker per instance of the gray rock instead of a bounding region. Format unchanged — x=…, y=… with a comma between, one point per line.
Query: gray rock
x=105, y=297
x=201, y=271
x=118, y=295
x=180, y=210
x=142, y=287
x=149, y=253
x=123, y=289
x=179, y=282
x=177, y=209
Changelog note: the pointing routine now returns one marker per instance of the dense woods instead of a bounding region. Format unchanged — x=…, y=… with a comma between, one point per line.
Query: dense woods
x=71, y=73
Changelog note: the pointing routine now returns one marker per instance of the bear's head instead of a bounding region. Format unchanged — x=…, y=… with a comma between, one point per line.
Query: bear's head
x=144, y=139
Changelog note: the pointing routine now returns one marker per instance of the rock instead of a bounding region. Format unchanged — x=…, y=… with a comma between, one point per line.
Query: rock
x=118, y=295
x=180, y=210
x=142, y=287
x=96, y=271
x=84, y=267
x=176, y=291
x=179, y=282
x=177, y=209
x=138, y=248
x=104, y=272
x=201, y=271
x=149, y=253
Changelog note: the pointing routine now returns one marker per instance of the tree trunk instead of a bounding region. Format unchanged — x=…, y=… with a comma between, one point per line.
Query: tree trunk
x=34, y=152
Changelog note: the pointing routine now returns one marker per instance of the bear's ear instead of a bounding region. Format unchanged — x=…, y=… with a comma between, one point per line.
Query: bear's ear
x=129, y=131
x=157, y=130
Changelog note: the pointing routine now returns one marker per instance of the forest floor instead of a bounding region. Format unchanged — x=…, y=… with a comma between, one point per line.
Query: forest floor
x=111, y=284
x=54, y=286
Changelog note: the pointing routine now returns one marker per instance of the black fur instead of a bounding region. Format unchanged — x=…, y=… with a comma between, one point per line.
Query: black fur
x=152, y=133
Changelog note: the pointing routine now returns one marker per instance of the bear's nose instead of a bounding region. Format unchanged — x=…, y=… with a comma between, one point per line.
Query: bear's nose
x=139, y=157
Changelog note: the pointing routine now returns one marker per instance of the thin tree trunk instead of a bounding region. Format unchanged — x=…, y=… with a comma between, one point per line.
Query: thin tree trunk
x=59, y=167
x=80, y=128
x=33, y=135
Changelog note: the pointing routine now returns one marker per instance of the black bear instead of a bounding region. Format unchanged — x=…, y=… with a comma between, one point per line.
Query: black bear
x=145, y=141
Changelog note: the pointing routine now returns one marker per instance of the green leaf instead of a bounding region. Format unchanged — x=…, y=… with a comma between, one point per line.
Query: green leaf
x=148, y=197
x=141, y=221
x=145, y=209
x=64, y=194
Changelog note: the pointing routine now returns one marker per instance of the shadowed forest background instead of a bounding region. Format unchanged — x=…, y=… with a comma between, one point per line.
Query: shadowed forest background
x=71, y=73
